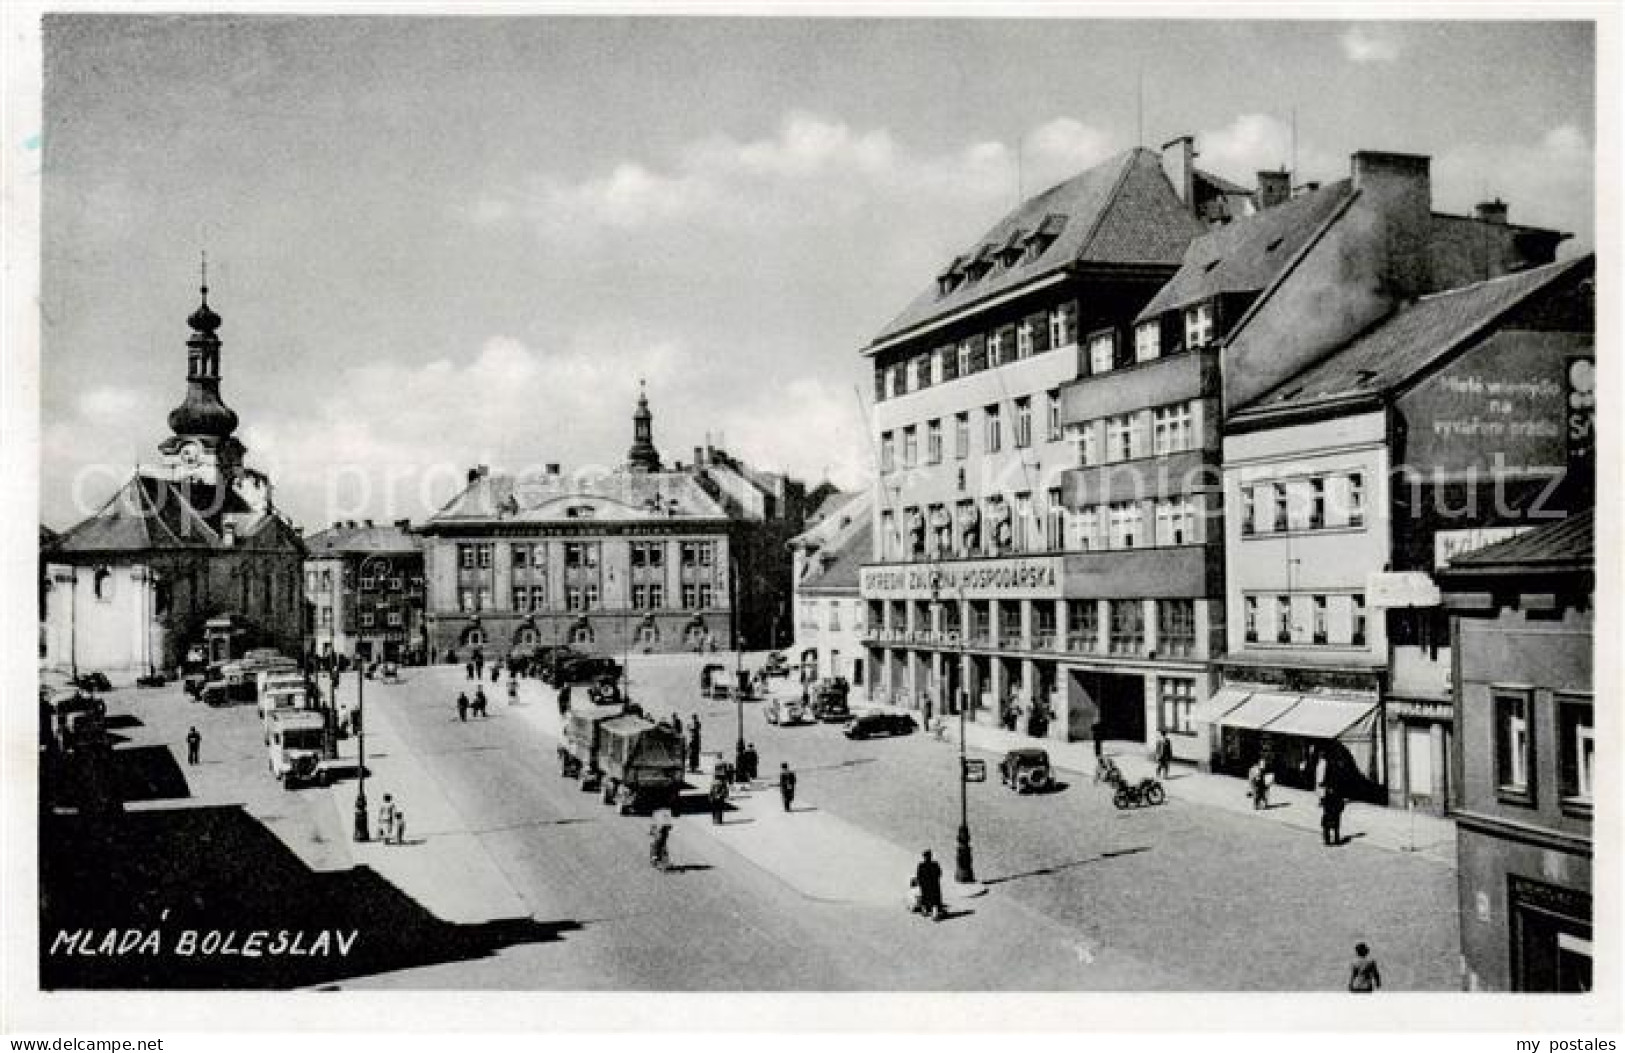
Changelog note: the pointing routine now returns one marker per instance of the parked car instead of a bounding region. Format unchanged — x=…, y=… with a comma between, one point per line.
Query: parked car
x=1026, y=770
x=584, y=668
x=870, y=725
x=776, y=664
x=787, y=711
x=829, y=699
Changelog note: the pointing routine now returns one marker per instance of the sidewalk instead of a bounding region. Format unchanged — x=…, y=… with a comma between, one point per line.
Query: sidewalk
x=442, y=865
x=1396, y=830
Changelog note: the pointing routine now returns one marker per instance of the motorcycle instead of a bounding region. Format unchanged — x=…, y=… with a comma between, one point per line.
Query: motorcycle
x=1147, y=791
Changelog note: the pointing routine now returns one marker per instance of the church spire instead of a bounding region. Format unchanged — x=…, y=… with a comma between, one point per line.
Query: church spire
x=203, y=413
x=643, y=457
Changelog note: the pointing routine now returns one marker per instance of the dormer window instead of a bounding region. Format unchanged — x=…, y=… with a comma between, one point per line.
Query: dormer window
x=1011, y=252
x=1198, y=326
x=980, y=264
x=951, y=276
x=1039, y=241
x=1147, y=340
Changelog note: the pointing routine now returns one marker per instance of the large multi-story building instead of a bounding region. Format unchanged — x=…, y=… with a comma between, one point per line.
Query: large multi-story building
x=982, y=587
x=1525, y=759
x=829, y=610
x=1352, y=484
x=365, y=587
x=192, y=541
x=636, y=559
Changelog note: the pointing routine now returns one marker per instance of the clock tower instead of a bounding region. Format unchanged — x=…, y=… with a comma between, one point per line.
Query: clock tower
x=202, y=447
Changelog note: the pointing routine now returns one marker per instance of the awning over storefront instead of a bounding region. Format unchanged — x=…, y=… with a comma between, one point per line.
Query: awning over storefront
x=1326, y=718
x=1221, y=702
x=1260, y=708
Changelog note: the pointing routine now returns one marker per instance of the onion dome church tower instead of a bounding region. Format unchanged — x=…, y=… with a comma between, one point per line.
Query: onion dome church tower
x=203, y=446
x=643, y=457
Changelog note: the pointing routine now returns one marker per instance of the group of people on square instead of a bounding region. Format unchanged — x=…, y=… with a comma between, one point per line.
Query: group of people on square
x=391, y=822
x=478, y=706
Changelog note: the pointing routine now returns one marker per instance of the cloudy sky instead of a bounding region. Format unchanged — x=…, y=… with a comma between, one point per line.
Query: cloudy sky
x=441, y=242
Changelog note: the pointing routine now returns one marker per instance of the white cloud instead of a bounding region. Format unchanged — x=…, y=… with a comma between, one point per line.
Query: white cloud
x=1364, y=44
x=1545, y=183
x=1257, y=142
x=108, y=405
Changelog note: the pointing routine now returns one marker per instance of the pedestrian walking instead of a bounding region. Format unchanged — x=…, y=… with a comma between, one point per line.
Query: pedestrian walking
x=496, y=671
x=719, y=798
x=928, y=876
x=787, y=786
x=564, y=700
x=479, y=663
x=1163, y=754
x=1331, y=817
x=694, y=744
x=470, y=669
x=386, y=819
x=1364, y=977
x=513, y=692
x=1098, y=730
x=1258, y=782
x=462, y=706
x=194, y=743
x=752, y=759
x=400, y=826
x=479, y=702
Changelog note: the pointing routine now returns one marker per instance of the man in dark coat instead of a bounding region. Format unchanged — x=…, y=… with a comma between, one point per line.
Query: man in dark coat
x=1331, y=817
x=194, y=743
x=694, y=744
x=719, y=799
x=462, y=707
x=787, y=786
x=752, y=759
x=1163, y=754
x=928, y=875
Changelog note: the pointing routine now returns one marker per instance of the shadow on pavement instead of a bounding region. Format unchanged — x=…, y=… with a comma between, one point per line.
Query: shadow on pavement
x=1046, y=871
x=215, y=876
x=148, y=773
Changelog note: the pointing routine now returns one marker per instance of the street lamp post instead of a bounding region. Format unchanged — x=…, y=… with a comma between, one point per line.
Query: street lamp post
x=361, y=825
x=964, y=866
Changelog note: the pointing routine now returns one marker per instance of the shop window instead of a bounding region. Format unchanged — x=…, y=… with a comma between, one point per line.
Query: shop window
x=1176, y=697
x=1514, y=746
x=1576, y=752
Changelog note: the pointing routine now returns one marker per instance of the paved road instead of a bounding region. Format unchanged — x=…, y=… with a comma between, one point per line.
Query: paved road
x=1080, y=895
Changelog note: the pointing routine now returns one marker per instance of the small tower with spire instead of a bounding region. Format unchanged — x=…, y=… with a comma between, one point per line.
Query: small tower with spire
x=203, y=445
x=643, y=457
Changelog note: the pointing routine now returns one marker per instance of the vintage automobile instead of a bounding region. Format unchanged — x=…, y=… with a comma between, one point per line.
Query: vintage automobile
x=776, y=664
x=1026, y=770
x=829, y=700
x=635, y=762
x=870, y=725
x=714, y=682
x=296, y=740
x=787, y=711
x=582, y=669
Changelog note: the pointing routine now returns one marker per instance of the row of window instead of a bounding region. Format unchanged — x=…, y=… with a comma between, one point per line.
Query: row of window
x=1035, y=334
x=645, y=634
x=1124, y=619
x=1319, y=619
x=993, y=433
x=1020, y=247
x=808, y=614
x=1154, y=432
x=938, y=531
x=585, y=555
x=646, y=596
x=1319, y=502
x=1515, y=767
x=1126, y=525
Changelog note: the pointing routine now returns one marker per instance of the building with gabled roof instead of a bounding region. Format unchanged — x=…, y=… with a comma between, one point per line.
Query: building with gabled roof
x=1355, y=482
x=829, y=609
x=196, y=538
x=365, y=584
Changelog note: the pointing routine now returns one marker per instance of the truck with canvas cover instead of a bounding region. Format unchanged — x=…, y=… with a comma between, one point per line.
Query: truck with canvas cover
x=297, y=742
x=642, y=763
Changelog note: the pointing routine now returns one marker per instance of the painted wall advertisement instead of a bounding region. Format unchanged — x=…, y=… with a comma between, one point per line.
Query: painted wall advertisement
x=1508, y=405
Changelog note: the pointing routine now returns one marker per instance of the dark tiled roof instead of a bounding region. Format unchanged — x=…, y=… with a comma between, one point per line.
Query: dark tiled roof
x=838, y=563
x=152, y=513
x=1246, y=255
x=359, y=539
x=1122, y=211
x=1221, y=184
x=1412, y=339
x=1567, y=541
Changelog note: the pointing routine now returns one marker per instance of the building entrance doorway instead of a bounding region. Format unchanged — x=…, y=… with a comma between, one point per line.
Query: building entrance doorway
x=1107, y=705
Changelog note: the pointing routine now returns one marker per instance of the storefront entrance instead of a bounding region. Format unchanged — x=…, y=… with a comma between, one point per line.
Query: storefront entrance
x=1110, y=706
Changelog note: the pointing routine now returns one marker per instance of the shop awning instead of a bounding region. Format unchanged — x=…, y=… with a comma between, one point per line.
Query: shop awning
x=1325, y=718
x=1259, y=709
x=1221, y=702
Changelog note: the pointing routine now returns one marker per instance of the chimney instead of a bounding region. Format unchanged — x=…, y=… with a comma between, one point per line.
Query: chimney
x=553, y=469
x=1399, y=195
x=1179, y=162
x=1274, y=188
x=699, y=457
x=485, y=470
x=403, y=524
x=1492, y=211
x=473, y=476
x=368, y=523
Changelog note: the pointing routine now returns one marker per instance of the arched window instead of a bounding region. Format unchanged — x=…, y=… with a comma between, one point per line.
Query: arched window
x=581, y=634
x=473, y=636
x=526, y=635
x=649, y=633
x=103, y=583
